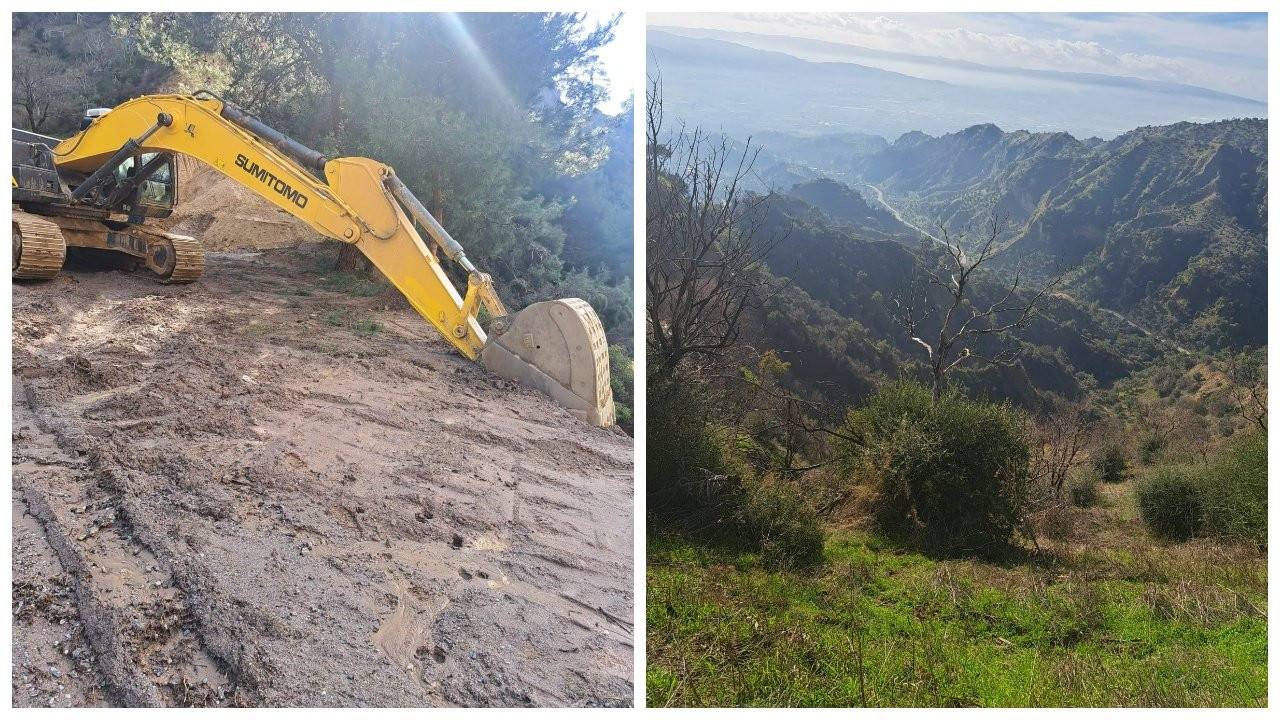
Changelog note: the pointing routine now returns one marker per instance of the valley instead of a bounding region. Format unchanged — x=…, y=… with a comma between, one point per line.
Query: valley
x=968, y=399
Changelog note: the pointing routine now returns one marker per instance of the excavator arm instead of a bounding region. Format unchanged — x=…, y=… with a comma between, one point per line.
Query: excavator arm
x=557, y=347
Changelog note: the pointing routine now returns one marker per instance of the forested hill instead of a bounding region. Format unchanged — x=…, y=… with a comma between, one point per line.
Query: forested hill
x=1165, y=224
x=833, y=317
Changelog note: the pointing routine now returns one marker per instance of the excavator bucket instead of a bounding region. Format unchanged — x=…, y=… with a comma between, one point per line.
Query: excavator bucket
x=559, y=348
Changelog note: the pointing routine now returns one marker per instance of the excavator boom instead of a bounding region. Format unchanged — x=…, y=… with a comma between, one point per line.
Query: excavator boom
x=558, y=346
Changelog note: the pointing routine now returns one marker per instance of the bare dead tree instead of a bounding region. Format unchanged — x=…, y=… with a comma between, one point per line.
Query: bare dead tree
x=38, y=87
x=1060, y=437
x=961, y=323
x=1248, y=378
x=704, y=241
x=1174, y=427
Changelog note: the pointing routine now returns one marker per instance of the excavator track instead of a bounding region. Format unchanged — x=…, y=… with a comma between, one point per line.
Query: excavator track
x=176, y=259
x=189, y=262
x=38, y=247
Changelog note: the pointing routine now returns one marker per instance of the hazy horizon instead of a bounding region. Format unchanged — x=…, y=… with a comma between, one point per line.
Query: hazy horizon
x=1087, y=74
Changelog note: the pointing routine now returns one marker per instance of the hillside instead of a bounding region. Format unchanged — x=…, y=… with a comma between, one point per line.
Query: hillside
x=833, y=316
x=1167, y=224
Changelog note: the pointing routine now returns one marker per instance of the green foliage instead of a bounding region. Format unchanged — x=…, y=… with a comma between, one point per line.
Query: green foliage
x=1171, y=501
x=598, y=220
x=622, y=383
x=687, y=483
x=788, y=531
x=1111, y=464
x=1225, y=499
x=1235, y=497
x=65, y=63
x=1150, y=448
x=696, y=489
x=953, y=474
x=1084, y=490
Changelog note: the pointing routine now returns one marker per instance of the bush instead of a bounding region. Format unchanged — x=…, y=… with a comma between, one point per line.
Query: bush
x=1235, y=498
x=1084, y=490
x=951, y=474
x=696, y=488
x=787, y=531
x=1171, y=501
x=1111, y=464
x=687, y=482
x=622, y=383
x=1150, y=448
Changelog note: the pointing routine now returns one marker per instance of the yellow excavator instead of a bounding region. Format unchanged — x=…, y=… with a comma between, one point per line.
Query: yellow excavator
x=97, y=188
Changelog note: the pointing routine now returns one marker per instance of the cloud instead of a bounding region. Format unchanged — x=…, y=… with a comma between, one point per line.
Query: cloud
x=1228, y=56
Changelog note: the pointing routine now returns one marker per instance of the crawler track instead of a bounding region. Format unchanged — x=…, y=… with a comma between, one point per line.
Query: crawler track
x=38, y=247
x=187, y=255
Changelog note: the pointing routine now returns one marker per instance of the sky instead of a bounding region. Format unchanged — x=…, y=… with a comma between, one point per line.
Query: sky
x=623, y=59
x=1223, y=52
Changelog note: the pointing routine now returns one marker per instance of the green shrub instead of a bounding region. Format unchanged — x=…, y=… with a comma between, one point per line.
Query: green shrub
x=1171, y=502
x=622, y=382
x=1111, y=464
x=1235, y=499
x=696, y=488
x=1150, y=448
x=1084, y=490
x=684, y=458
x=786, y=530
x=951, y=474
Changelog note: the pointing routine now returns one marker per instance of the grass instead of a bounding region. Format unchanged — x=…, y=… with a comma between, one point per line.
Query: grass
x=260, y=329
x=352, y=283
x=357, y=321
x=1110, y=618
x=358, y=284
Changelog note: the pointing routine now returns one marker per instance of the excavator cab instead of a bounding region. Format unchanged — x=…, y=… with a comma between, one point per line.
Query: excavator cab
x=156, y=194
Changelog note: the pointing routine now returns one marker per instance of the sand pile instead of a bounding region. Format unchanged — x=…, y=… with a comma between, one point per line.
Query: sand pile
x=225, y=215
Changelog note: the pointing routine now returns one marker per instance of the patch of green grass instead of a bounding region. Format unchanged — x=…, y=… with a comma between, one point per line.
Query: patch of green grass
x=357, y=321
x=357, y=284
x=879, y=625
x=366, y=325
x=260, y=329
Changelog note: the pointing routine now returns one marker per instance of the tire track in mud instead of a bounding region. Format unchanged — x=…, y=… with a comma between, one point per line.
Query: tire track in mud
x=135, y=617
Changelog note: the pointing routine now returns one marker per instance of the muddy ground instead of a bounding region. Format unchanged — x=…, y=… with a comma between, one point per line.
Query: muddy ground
x=254, y=490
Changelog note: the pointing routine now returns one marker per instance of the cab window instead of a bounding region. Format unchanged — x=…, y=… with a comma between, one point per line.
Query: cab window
x=156, y=189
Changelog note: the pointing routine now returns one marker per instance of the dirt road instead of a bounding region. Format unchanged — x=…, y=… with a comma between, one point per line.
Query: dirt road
x=253, y=491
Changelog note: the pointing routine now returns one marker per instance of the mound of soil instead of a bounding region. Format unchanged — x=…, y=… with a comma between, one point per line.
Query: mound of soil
x=253, y=491
x=225, y=215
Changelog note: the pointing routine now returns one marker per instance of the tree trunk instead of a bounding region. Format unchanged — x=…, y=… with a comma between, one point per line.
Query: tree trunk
x=348, y=259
